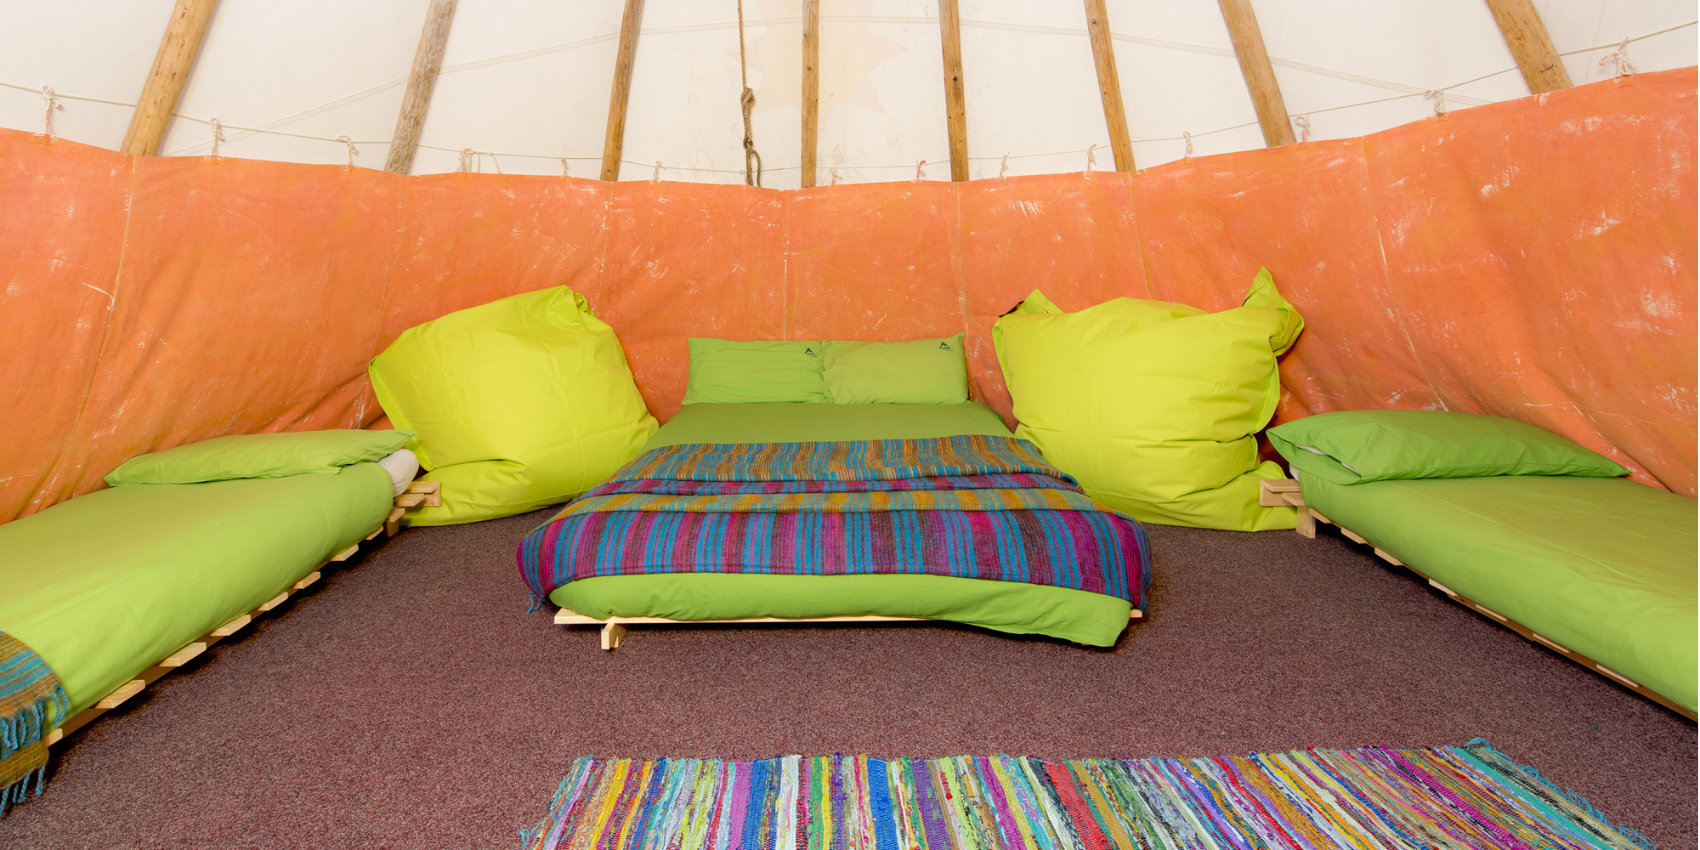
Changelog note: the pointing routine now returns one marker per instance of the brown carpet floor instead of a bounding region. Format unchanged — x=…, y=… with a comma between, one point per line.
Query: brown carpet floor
x=411, y=701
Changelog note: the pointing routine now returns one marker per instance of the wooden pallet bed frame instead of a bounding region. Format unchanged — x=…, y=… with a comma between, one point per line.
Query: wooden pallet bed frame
x=614, y=628
x=1285, y=491
x=418, y=494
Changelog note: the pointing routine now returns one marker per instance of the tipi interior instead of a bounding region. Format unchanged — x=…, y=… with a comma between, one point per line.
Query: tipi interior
x=227, y=220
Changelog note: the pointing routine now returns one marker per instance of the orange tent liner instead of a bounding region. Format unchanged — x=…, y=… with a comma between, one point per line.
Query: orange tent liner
x=1534, y=258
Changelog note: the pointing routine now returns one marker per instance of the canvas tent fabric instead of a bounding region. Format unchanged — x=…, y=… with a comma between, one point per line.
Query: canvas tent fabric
x=1533, y=258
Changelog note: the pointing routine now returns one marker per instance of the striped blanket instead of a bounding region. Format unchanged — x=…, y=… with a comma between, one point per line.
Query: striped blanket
x=968, y=506
x=28, y=691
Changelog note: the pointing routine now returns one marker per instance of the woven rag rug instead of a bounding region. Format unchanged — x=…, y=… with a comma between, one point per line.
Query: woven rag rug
x=968, y=506
x=28, y=691
x=1442, y=797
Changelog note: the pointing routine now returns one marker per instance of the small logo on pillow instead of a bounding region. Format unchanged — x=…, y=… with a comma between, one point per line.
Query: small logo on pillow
x=944, y=346
x=809, y=351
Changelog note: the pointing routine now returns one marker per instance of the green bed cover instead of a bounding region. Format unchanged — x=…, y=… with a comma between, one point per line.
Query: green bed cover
x=104, y=585
x=1604, y=566
x=1075, y=615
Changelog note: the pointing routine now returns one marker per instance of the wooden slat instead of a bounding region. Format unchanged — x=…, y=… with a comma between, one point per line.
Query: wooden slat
x=167, y=77
x=122, y=693
x=273, y=602
x=346, y=553
x=811, y=89
x=1543, y=69
x=955, y=102
x=427, y=62
x=615, y=138
x=232, y=627
x=182, y=656
x=1259, y=73
x=1109, y=84
x=308, y=579
x=410, y=500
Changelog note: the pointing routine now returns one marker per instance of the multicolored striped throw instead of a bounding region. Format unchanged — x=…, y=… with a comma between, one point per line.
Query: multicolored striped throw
x=1442, y=797
x=28, y=690
x=969, y=506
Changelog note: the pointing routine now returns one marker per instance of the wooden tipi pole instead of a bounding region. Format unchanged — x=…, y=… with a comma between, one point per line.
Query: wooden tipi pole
x=170, y=72
x=1259, y=73
x=1109, y=84
x=1520, y=25
x=955, y=107
x=427, y=62
x=615, y=137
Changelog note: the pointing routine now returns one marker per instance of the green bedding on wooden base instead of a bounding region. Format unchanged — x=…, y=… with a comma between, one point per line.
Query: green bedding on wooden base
x=1604, y=566
x=1019, y=608
x=104, y=585
x=1059, y=612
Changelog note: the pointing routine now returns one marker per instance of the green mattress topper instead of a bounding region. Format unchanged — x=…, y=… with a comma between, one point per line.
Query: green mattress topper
x=807, y=423
x=1014, y=607
x=104, y=585
x=1604, y=566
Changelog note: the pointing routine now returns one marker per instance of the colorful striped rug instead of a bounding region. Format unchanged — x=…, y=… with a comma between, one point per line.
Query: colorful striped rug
x=1441, y=797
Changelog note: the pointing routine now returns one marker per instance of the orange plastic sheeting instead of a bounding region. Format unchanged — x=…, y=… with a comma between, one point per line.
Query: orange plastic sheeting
x=469, y=239
x=248, y=301
x=1072, y=235
x=876, y=261
x=1304, y=212
x=61, y=234
x=688, y=259
x=1535, y=258
x=1542, y=256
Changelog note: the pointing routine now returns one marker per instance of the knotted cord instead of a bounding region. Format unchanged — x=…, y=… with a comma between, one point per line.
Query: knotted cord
x=747, y=100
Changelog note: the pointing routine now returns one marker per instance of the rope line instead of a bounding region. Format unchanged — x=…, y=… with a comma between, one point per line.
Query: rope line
x=747, y=101
x=753, y=168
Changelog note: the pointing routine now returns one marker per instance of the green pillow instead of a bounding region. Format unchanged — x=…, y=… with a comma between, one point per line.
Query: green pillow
x=1152, y=405
x=922, y=371
x=519, y=403
x=725, y=371
x=1352, y=446
x=258, y=456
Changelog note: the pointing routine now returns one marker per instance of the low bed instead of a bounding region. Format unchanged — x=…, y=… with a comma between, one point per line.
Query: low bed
x=1534, y=532
x=1094, y=610
x=106, y=585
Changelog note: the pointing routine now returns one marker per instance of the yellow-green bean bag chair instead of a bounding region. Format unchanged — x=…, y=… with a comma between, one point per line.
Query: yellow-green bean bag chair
x=1153, y=406
x=517, y=404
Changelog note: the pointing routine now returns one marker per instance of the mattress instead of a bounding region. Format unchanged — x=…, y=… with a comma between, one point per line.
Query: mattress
x=104, y=585
x=1012, y=607
x=1604, y=566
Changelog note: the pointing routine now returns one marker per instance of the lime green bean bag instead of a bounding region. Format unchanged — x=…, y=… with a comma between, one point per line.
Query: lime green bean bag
x=1153, y=406
x=517, y=404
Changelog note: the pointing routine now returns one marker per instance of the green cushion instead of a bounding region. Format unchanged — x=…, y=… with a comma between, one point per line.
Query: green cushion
x=1352, y=446
x=923, y=371
x=725, y=371
x=1153, y=405
x=518, y=403
x=258, y=456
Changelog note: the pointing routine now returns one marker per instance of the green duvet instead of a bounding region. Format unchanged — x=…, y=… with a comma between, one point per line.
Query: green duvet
x=104, y=585
x=1604, y=566
x=1014, y=607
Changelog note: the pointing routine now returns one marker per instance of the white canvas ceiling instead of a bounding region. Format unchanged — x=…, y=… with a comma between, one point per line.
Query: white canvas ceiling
x=526, y=82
